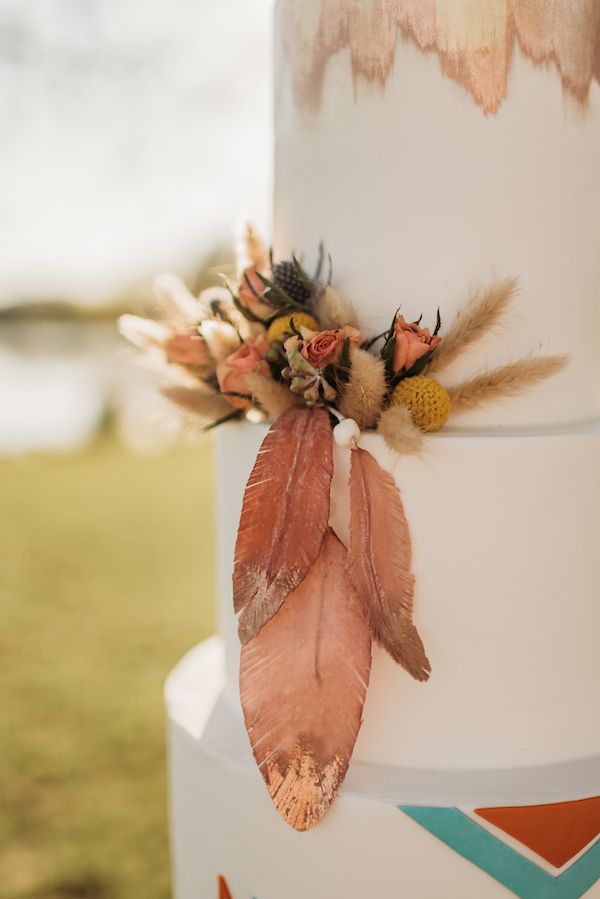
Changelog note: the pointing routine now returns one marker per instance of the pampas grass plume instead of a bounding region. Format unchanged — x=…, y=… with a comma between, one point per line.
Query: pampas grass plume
x=273, y=397
x=510, y=380
x=221, y=338
x=197, y=401
x=399, y=432
x=252, y=252
x=481, y=314
x=176, y=301
x=334, y=312
x=363, y=395
x=143, y=333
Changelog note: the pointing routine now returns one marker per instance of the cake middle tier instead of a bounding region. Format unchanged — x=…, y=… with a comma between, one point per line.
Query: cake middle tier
x=504, y=532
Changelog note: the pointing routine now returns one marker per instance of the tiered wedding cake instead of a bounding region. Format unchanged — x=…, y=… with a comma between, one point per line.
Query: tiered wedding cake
x=433, y=145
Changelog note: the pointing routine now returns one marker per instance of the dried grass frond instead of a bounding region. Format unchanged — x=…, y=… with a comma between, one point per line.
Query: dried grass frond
x=333, y=311
x=252, y=252
x=221, y=339
x=482, y=313
x=510, y=380
x=177, y=303
x=198, y=401
x=362, y=397
x=143, y=333
x=399, y=431
x=272, y=396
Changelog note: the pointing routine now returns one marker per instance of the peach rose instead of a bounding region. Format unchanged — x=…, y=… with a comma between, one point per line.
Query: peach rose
x=412, y=342
x=325, y=347
x=186, y=347
x=259, y=307
x=233, y=371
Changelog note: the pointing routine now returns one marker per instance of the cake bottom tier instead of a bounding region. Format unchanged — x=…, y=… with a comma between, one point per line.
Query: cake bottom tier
x=223, y=825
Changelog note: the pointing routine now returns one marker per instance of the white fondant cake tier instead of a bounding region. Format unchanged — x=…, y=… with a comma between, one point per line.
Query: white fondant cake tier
x=433, y=145
x=223, y=822
x=504, y=532
x=419, y=195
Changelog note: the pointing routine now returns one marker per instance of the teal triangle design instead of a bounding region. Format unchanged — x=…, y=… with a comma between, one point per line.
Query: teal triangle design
x=524, y=878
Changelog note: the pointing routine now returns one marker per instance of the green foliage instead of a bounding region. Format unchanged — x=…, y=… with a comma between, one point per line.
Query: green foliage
x=105, y=581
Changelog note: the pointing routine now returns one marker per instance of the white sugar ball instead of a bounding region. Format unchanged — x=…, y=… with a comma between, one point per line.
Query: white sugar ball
x=346, y=432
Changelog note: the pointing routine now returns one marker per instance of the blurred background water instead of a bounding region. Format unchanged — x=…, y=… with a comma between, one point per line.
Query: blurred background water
x=134, y=134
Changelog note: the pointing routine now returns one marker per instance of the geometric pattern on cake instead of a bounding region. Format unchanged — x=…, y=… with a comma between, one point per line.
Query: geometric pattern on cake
x=517, y=873
x=557, y=833
x=224, y=892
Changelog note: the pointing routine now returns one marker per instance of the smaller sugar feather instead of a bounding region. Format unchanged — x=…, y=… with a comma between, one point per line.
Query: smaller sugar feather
x=399, y=432
x=363, y=395
x=334, y=312
x=483, y=312
x=272, y=396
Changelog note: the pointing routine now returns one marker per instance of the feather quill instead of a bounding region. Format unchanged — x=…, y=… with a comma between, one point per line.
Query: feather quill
x=379, y=562
x=284, y=515
x=303, y=683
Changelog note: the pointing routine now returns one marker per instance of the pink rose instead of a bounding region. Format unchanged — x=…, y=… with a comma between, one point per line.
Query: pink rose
x=412, y=342
x=186, y=347
x=233, y=371
x=258, y=306
x=325, y=347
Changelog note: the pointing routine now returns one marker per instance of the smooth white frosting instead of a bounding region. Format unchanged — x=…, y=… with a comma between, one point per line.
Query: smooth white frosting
x=223, y=821
x=504, y=532
x=419, y=197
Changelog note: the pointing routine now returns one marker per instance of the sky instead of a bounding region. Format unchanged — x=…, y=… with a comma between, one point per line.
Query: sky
x=133, y=136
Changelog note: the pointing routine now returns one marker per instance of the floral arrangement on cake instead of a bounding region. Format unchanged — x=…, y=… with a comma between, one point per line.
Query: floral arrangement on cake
x=279, y=345
x=277, y=338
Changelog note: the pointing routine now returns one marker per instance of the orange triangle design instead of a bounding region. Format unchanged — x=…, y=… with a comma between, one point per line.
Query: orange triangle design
x=224, y=889
x=557, y=833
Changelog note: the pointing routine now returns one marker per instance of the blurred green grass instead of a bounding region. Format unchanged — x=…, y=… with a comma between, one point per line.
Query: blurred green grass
x=106, y=579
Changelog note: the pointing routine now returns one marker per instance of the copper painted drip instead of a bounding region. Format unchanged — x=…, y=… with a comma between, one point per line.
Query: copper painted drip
x=474, y=41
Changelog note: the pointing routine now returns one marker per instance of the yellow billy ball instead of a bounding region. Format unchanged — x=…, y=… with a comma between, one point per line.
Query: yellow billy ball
x=282, y=325
x=427, y=401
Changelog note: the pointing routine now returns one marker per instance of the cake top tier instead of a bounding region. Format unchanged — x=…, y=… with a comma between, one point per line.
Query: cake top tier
x=474, y=41
x=436, y=144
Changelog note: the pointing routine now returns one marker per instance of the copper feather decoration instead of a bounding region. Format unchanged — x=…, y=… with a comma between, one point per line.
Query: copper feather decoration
x=224, y=892
x=303, y=683
x=284, y=516
x=379, y=559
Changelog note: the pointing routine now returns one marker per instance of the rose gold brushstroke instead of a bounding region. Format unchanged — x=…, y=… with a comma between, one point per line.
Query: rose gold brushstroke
x=474, y=41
